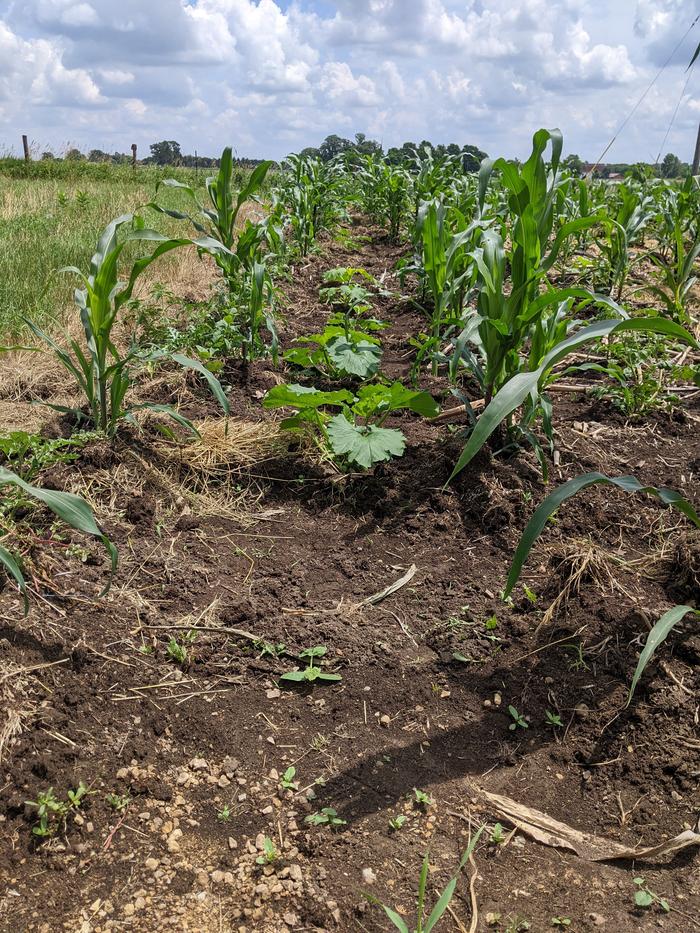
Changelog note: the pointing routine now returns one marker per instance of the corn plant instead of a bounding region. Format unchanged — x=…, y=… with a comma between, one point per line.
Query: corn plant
x=425, y=922
x=307, y=198
x=677, y=276
x=527, y=386
x=630, y=484
x=239, y=253
x=384, y=193
x=69, y=508
x=621, y=230
x=519, y=333
x=102, y=374
x=445, y=269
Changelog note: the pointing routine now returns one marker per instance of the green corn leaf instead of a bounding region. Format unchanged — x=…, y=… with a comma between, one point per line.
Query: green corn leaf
x=517, y=389
x=211, y=379
x=166, y=410
x=364, y=446
x=71, y=509
x=546, y=509
x=441, y=905
x=12, y=567
x=656, y=636
x=296, y=396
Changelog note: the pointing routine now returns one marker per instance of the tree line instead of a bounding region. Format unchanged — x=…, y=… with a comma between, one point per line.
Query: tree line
x=169, y=152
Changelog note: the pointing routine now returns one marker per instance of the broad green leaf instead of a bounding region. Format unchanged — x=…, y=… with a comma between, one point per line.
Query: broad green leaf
x=296, y=396
x=359, y=358
x=546, y=509
x=364, y=446
x=383, y=399
x=656, y=636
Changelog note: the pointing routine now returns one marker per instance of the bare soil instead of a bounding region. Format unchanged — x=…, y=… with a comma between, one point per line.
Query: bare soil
x=89, y=693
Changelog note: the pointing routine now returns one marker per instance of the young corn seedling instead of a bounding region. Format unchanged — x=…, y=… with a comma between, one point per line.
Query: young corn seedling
x=425, y=922
x=102, y=375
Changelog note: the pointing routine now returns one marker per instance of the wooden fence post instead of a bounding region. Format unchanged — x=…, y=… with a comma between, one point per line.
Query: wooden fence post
x=133, y=155
x=25, y=145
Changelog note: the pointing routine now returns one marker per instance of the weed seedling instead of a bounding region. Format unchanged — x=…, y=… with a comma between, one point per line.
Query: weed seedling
x=51, y=813
x=266, y=647
x=497, y=835
x=561, y=922
x=326, y=817
x=519, y=721
x=287, y=781
x=397, y=822
x=177, y=650
x=644, y=897
x=118, y=802
x=75, y=797
x=311, y=673
x=269, y=855
x=422, y=799
x=224, y=814
x=530, y=594
x=553, y=719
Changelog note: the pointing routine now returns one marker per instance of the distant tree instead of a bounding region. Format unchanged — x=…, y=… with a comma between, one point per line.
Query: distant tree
x=332, y=146
x=97, y=155
x=574, y=163
x=366, y=146
x=671, y=167
x=472, y=157
x=310, y=152
x=166, y=152
x=47, y=156
x=74, y=155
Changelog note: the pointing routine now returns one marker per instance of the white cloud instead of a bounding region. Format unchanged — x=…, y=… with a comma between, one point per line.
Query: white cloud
x=273, y=76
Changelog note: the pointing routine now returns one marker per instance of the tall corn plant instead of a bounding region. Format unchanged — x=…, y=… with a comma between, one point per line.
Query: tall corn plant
x=520, y=333
x=237, y=251
x=676, y=276
x=384, y=193
x=444, y=266
x=621, y=231
x=307, y=197
x=102, y=374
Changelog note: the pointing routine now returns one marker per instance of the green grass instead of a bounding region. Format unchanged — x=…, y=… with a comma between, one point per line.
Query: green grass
x=51, y=214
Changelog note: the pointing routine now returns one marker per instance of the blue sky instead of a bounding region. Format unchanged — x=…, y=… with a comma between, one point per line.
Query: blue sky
x=271, y=77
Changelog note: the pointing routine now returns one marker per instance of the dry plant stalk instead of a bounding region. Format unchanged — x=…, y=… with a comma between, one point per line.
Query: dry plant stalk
x=224, y=443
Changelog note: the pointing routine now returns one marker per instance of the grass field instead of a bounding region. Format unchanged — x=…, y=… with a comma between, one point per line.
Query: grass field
x=51, y=219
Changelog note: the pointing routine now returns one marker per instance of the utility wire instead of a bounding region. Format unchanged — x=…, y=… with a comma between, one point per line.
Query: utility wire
x=675, y=114
x=643, y=97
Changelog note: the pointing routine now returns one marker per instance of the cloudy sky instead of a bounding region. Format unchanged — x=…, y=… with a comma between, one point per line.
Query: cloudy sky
x=271, y=76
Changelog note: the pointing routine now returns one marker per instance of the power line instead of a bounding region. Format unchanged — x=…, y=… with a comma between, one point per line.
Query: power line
x=675, y=113
x=643, y=97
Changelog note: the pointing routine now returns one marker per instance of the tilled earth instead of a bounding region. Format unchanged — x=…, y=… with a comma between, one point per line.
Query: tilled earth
x=184, y=759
